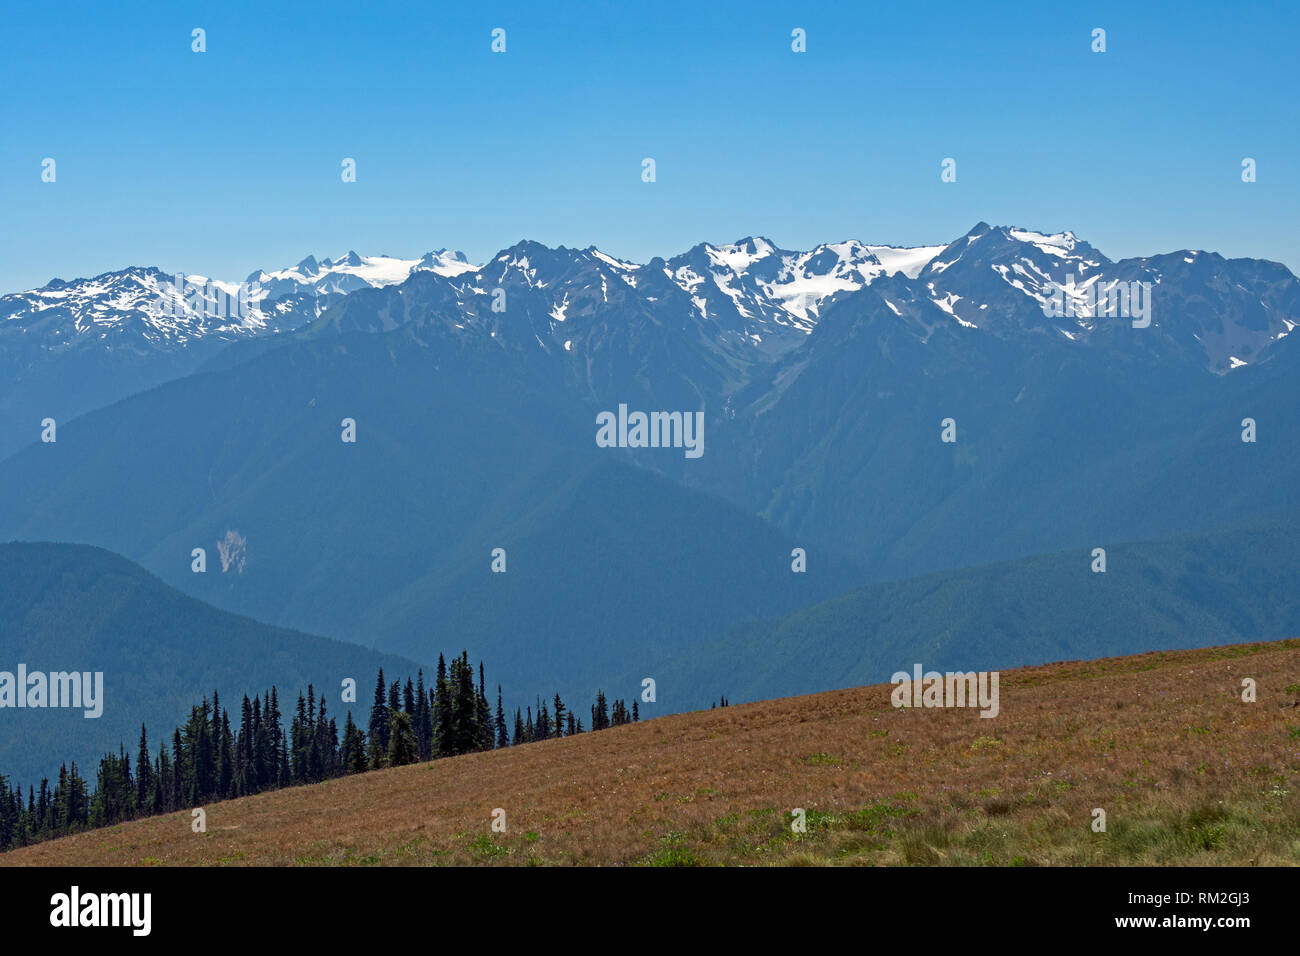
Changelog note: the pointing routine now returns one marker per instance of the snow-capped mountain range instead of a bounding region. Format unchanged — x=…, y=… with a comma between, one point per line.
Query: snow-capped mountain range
x=705, y=319
x=351, y=272
x=143, y=300
x=748, y=284
x=824, y=378
x=755, y=293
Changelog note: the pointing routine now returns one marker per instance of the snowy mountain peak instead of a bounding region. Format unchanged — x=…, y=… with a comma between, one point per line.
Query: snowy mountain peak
x=445, y=262
x=763, y=287
x=739, y=256
x=1055, y=244
x=619, y=264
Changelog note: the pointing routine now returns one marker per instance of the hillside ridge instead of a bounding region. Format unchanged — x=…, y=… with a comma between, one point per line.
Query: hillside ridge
x=1184, y=768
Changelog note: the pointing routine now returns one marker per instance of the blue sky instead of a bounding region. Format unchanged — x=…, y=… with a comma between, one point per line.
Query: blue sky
x=229, y=160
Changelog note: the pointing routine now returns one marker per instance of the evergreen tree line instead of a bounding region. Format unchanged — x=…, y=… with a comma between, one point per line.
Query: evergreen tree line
x=209, y=759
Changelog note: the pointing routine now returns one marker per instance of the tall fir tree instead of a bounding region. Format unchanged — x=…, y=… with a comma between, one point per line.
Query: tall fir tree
x=180, y=772
x=225, y=760
x=401, y=741
x=379, y=719
x=465, y=706
x=559, y=715
x=444, y=720
x=143, y=777
x=483, y=718
x=423, y=719
x=503, y=735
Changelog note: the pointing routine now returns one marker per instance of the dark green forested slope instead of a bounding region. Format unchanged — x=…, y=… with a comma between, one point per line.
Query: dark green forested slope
x=1222, y=587
x=73, y=607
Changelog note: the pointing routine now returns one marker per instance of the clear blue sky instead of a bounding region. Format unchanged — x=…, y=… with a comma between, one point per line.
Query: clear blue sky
x=228, y=160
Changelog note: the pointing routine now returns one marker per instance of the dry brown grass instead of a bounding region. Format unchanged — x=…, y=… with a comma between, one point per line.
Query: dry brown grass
x=1185, y=770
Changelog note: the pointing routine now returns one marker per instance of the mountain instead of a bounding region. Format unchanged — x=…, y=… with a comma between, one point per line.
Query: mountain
x=822, y=379
x=329, y=278
x=1061, y=440
x=761, y=292
x=70, y=607
x=1214, y=312
x=464, y=444
x=70, y=347
x=1233, y=584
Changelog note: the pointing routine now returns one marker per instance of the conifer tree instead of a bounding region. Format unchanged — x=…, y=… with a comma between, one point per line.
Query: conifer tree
x=502, y=734
x=423, y=719
x=353, y=751
x=77, y=802
x=542, y=729
x=143, y=777
x=298, y=742
x=465, y=706
x=483, y=717
x=202, y=757
x=559, y=715
x=347, y=743
x=327, y=740
x=44, y=809
x=379, y=719
x=180, y=772
x=444, y=719
x=260, y=750
x=215, y=729
x=225, y=760
x=284, y=759
x=8, y=817
x=163, y=786
x=401, y=741
x=244, y=750
x=279, y=752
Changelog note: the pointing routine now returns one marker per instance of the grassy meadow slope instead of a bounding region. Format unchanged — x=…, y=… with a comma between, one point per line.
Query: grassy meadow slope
x=1186, y=771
